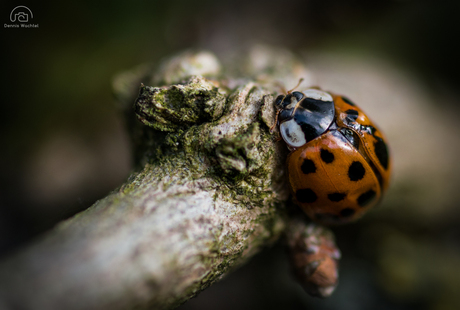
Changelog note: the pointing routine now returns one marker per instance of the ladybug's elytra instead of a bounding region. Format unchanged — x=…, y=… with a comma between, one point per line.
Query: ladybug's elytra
x=339, y=164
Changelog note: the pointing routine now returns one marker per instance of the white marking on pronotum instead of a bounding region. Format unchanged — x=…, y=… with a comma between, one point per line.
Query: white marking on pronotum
x=292, y=133
x=318, y=95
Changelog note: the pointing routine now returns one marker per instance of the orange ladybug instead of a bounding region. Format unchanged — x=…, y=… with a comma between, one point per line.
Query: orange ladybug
x=339, y=165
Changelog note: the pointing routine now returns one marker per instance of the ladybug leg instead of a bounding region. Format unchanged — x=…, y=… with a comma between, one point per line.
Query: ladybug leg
x=276, y=121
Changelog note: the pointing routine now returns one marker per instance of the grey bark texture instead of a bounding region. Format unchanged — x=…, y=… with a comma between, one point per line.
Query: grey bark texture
x=208, y=193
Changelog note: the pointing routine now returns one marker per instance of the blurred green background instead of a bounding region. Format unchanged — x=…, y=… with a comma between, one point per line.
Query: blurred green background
x=64, y=145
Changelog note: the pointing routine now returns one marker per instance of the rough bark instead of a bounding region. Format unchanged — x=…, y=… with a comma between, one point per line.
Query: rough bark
x=208, y=194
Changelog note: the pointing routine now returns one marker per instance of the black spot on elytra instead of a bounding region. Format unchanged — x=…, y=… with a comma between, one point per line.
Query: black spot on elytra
x=356, y=171
x=366, y=198
x=308, y=166
x=336, y=197
x=381, y=151
x=352, y=115
x=347, y=212
x=348, y=101
x=306, y=195
x=327, y=156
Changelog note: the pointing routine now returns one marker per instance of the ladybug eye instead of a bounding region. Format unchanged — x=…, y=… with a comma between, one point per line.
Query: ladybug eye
x=279, y=101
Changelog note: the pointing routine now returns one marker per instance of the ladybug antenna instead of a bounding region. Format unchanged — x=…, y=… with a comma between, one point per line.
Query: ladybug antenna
x=298, y=84
x=280, y=86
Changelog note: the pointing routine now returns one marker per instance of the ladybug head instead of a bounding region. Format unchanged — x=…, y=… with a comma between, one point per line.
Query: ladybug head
x=288, y=101
x=304, y=116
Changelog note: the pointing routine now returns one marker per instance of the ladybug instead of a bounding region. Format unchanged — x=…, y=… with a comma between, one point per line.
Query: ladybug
x=339, y=164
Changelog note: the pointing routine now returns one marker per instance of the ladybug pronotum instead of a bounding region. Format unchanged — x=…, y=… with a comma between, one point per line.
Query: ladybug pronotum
x=339, y=164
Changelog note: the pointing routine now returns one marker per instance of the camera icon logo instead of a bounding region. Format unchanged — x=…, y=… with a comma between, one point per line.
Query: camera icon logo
x=21, y=17
x=21, y=14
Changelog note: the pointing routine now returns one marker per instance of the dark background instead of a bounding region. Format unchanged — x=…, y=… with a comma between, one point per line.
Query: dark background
x=63, y=142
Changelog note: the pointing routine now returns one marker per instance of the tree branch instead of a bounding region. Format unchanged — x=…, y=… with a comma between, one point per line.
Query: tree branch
x=208, y=195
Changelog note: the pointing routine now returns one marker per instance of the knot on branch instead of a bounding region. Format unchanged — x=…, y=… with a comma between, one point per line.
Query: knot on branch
x=179, y=106
x=240, y=153
x=218, y=128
